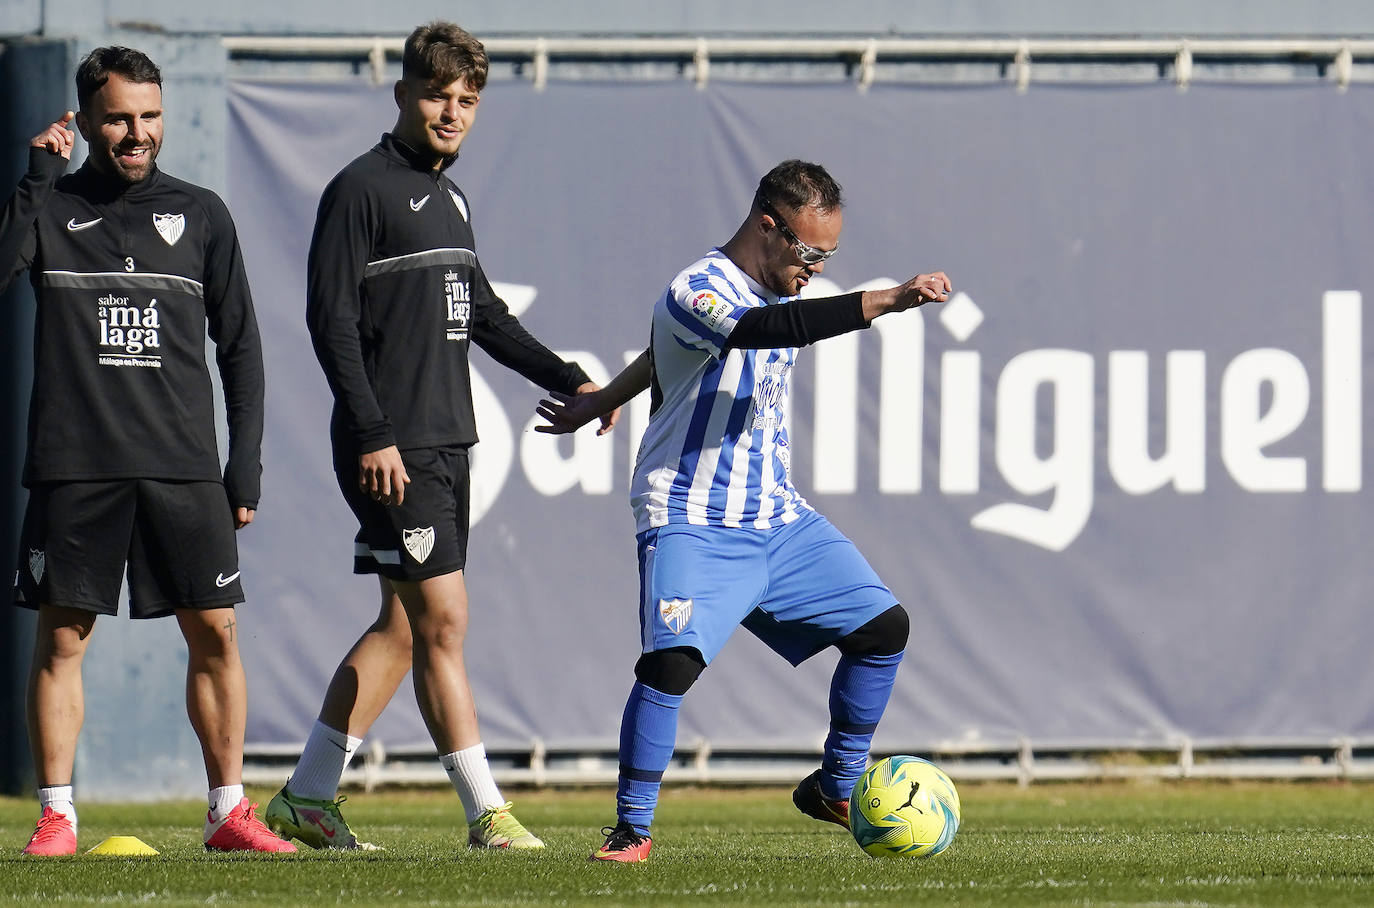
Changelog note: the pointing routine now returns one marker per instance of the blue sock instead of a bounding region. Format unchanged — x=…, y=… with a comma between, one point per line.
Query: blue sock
x=858, y=695
x=648, y=732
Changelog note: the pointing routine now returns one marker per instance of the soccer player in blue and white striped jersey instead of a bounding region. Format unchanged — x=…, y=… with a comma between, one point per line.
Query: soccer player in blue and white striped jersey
x=715, y=452
x=724, y=537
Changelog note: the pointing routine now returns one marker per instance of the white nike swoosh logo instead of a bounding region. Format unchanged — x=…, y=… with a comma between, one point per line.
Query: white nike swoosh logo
x=416, y=206
x=223, y=581
x=73, y=226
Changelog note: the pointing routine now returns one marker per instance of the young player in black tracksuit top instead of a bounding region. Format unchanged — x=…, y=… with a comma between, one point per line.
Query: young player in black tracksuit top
x=131, y=267
x=396, y=298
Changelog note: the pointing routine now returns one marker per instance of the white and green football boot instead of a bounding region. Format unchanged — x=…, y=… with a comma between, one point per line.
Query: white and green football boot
x=318, y=824
x=497, y=827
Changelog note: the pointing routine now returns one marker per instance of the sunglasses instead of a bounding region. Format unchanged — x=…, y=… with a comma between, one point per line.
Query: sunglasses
x=809, y=255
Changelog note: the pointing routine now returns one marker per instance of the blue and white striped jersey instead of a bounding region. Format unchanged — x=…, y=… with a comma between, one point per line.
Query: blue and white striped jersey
x=715, y=451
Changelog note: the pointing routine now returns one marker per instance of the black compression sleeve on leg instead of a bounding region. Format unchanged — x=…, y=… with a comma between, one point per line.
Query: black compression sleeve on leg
x=797, y=323
x=883, y=636
x=670, y=671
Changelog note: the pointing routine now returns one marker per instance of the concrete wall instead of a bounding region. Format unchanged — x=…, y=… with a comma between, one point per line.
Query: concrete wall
x=44, y=63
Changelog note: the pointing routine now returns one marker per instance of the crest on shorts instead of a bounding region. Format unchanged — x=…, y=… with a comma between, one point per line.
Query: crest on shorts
x=170, y=226
x=37, y=561
x=419, y=542
x=675, y=613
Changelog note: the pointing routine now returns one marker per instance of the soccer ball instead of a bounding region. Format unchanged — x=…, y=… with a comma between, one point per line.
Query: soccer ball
x=904, y=806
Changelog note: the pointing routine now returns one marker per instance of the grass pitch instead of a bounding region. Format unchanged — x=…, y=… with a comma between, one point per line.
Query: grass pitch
x=1164, y=844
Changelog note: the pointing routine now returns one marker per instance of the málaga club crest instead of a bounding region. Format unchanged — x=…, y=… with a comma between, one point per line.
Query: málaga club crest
x=675, y=613
x=170, y=226
x=419, y=542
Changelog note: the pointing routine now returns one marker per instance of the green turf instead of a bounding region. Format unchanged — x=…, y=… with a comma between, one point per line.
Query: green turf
x=1184, y=844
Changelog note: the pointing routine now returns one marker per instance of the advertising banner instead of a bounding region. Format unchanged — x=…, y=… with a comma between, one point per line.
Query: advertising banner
x=1118, y=480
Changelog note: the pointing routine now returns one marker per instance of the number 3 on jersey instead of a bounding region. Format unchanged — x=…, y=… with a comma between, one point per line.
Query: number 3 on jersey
x=129, y=263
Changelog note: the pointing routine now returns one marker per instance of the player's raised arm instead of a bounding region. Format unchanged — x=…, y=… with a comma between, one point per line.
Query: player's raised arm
x=804, y=322
x=49, y=152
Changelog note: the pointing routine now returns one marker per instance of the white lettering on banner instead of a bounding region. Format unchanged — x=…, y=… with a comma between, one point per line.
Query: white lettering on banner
x=1246, y=430
x=834, y=455
x=1264, y=397
x=589, y=465
x=961, y=376
x=517, y=297
x=1068, y=471
x=1342, y=387
x=1184, y=461
x=490, y=461
x=901, y=402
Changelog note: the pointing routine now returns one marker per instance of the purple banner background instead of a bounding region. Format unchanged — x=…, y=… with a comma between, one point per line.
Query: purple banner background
x=1206, y=248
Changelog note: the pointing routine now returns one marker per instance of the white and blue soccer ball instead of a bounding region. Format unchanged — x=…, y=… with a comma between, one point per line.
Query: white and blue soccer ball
x=904, y=806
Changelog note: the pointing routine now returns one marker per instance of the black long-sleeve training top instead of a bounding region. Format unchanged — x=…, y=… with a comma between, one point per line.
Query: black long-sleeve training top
x=395, y=297
x=129, y=278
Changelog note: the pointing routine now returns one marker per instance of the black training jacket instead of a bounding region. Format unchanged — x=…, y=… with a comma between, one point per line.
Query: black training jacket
x=395, y=296
x=129, y=278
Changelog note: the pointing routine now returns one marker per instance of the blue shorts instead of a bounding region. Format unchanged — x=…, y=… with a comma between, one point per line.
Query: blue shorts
x=798, y=588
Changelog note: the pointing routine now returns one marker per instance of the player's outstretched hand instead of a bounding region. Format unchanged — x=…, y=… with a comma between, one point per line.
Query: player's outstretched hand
x=57, y=138
x=925, y=288
x=566, y=413
x=921, y=289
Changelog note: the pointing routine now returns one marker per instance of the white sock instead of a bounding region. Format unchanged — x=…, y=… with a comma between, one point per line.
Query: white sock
x=224, y=799
x=59, y=798
x=471, y=777
x=322, y=763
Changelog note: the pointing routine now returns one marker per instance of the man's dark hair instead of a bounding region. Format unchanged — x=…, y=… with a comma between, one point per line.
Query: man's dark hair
x=794, y=185
x=102, y=62
x=441, y=52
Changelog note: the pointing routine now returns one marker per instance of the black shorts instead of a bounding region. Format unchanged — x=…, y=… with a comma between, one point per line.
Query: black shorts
x=427, y=534
x=176, y=538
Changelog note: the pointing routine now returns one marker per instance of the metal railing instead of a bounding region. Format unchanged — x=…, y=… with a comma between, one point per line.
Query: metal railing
x=1176, y=58
x=1022, y=761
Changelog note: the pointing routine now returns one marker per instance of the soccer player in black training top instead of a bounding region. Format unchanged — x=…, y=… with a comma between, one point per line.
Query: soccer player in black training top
x=396, y=296
x=130, y=267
